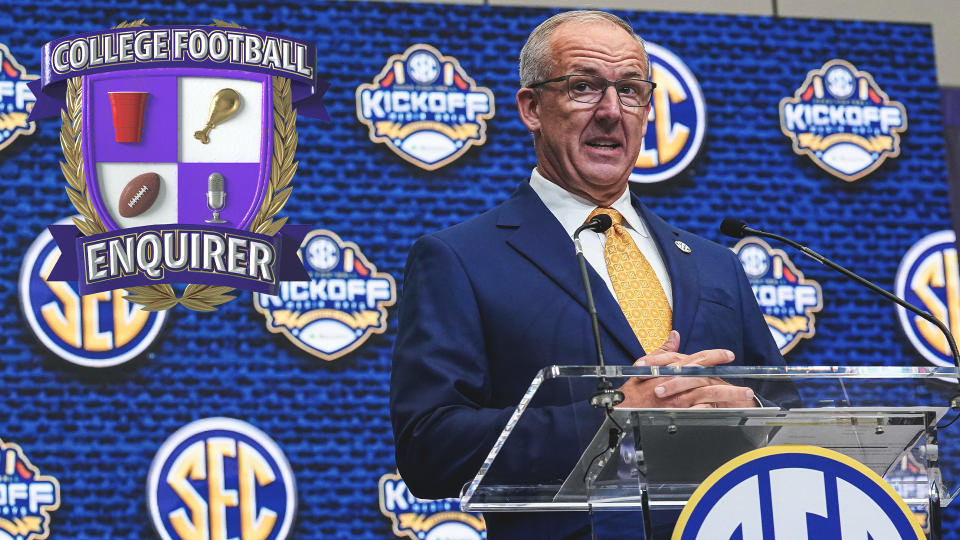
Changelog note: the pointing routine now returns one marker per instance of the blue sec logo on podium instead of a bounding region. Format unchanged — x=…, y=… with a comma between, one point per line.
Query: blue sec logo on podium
x=221, y=478
x=795, y=492
x=97, y=330
x=929, y=278
x=678, y=119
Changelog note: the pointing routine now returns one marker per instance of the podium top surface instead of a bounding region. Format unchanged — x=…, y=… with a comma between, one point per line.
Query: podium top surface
x=874, y=414
x=753, y=372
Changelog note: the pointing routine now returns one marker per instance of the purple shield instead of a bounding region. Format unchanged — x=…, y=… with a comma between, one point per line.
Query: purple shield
x=179, y=103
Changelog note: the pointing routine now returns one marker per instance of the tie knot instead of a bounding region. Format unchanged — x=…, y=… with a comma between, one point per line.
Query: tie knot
x=614, y=215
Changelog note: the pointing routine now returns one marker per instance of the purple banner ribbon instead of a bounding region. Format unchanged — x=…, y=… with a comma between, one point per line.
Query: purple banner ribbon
x=215, y=47
x=178, y=254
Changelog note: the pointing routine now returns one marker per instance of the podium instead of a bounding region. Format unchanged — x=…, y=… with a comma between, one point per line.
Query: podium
x=886, y=418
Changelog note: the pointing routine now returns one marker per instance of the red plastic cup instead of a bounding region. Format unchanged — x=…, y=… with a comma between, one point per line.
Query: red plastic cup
x=128, y=115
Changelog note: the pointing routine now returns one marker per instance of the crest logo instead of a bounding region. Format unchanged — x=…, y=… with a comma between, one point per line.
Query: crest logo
x=16, y=99
x=928, y=277
x=96, y=330
x=425, y=108
x=843, y=120
x=26, y=496
x=422, y=518
x=795, y=491
x=342, y=305
x=178, y=151
x=787, y=299
x=221, y=478
x=678, y=119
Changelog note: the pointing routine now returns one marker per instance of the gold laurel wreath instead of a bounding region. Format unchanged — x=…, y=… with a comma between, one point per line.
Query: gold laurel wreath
x=282, y=168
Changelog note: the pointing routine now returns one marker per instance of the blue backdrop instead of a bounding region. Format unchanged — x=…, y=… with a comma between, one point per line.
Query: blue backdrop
x=97, y=430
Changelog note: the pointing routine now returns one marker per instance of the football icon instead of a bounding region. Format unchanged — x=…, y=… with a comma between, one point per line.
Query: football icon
x=139, y=194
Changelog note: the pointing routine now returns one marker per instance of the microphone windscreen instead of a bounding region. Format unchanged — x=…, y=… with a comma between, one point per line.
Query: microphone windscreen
x=733, y=227
x=215, y=182
x=604, y=222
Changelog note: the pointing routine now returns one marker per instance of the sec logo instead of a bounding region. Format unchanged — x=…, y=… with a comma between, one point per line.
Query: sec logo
x=27, y=497
x=425, y=107
x=427, y=519
x=787, y=299
x=678, y=119
x=344, y=303
x=221, y=478
x=928, y=278
x=95, y=330
x=843, y=120
x=16, y=99
x=795, y=492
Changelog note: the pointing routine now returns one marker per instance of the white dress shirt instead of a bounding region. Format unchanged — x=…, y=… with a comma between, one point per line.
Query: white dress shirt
x=572, y=212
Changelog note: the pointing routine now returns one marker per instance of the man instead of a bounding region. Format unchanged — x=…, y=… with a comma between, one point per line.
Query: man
x=491, y=301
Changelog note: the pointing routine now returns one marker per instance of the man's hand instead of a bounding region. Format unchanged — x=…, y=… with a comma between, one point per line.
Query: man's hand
x=684, y=392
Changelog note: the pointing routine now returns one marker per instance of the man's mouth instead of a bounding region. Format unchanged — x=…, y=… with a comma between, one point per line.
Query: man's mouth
x=604, y=145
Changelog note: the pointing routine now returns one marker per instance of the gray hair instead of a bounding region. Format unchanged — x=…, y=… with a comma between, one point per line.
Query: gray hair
x=536, y=58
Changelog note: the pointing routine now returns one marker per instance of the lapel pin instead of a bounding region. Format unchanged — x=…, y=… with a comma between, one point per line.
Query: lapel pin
x=682, y=247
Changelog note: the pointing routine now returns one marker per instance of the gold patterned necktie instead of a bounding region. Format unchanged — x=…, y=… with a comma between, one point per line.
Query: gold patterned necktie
x=638, y=290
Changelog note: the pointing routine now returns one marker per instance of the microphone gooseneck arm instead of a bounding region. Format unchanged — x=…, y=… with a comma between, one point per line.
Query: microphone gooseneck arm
x=606, y=396
x=739, y=229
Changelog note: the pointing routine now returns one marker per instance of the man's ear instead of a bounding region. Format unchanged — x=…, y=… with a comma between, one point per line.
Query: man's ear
x=528, y=104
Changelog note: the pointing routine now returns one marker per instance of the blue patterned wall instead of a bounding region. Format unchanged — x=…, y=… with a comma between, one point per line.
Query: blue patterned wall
x=97, y=431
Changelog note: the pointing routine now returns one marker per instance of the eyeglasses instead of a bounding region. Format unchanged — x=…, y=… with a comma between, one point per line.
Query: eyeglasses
x=591, y=88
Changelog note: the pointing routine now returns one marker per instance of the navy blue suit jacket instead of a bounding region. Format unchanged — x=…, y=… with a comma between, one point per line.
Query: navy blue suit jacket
x=489, y=302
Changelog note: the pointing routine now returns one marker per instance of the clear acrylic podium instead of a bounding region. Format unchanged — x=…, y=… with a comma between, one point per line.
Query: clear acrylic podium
x=558, y=453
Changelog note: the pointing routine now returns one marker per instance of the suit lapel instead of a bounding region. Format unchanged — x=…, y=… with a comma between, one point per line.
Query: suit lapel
x=680, y=265
x=540, y=238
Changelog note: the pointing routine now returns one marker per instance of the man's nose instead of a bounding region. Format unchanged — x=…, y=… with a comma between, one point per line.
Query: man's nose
x=609, y=106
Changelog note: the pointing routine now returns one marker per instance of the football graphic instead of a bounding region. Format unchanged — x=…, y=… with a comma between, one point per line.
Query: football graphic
x=139, y=194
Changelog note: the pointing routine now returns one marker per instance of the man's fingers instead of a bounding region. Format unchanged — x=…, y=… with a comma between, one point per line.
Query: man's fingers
x=673, y=342
x=661, y=358
x=677, y=385
x=709, y=357
x=723, y=395
x=658, y=356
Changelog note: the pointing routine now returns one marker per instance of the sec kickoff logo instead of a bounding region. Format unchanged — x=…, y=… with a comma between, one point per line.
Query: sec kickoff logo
x=787, y=299
x=26, y=496
x=16, y=99
x=343, y=304
x=221, y=478
x=95, y=330
x=928, y=278
x=425, y=107
x=795, y=491
x=678, y=120
x=843, y=120
x=426, y=519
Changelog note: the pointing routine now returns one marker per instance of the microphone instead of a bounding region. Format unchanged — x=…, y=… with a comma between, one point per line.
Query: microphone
x=738, y=229
x=216, y=197
x=606, y=396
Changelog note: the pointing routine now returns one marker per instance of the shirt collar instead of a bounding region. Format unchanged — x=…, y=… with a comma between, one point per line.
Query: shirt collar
x=572, y=211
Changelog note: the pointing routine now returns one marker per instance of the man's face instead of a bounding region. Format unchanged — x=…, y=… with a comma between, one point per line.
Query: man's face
x=588, y=149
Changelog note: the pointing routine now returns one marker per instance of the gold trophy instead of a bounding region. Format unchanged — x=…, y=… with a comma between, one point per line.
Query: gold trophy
x=225, y=104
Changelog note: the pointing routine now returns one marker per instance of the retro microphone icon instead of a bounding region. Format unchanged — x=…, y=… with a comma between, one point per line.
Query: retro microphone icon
x=216, y=197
